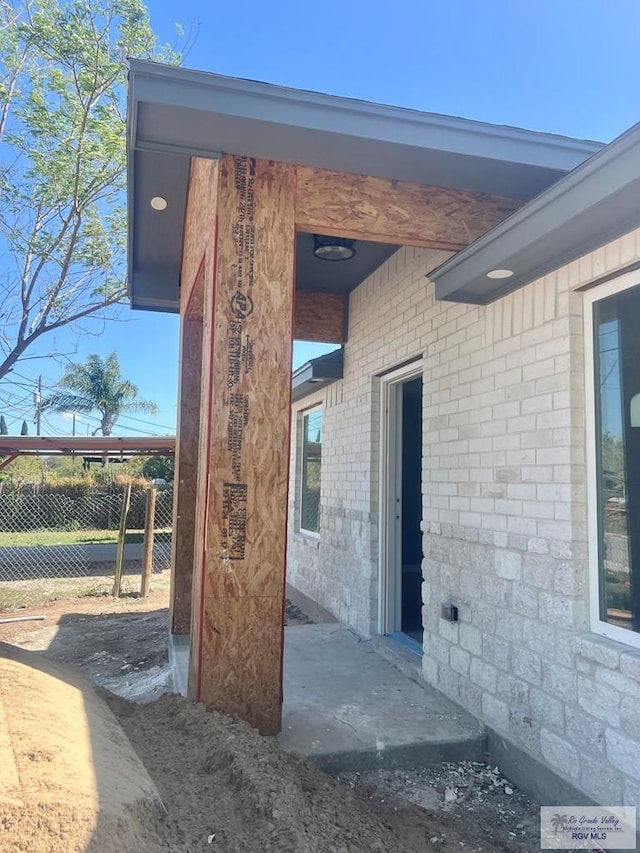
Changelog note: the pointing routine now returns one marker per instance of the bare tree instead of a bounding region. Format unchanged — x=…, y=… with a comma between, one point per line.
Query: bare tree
x=62, y=162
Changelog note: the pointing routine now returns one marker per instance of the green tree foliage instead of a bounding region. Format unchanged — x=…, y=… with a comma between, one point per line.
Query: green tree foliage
x=25, y=429
x=98, y=386
x=24, y=469
x=62, y=162
x=3, y=426
x=159, y=468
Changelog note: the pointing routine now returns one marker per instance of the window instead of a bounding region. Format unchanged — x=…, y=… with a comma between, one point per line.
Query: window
x=311, y=463
x=615, y=488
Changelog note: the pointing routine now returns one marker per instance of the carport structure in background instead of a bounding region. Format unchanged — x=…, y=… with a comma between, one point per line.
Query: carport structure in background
x=228, y=179
x=108, y=446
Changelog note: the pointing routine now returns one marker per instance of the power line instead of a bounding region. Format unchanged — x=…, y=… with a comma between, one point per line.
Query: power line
x=12, y=399
x=33, y=379
x=141, y=421
x=25, y=411
x=132, y=429
x=47, y=423
x=33, y=383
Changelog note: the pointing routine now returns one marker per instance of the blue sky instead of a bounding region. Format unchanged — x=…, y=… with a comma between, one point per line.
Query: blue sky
x=564, y=66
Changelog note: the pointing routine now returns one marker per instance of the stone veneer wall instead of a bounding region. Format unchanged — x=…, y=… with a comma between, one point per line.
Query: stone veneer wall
x=504, y=510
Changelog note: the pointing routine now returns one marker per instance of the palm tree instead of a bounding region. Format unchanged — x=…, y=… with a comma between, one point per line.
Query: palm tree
x=558, y=821
x=98, y=386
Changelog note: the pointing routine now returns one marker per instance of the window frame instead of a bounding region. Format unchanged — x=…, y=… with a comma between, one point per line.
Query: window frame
x=605, y=629
x=304, y=414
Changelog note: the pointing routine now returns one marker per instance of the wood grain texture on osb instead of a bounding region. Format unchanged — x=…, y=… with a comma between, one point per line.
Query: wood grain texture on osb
x=199, y=232
x=186, y=473
x=250, y=416
x=198, y=264
x=319, y=317
x=248, y=444
x=242, y=647
x=390, y=211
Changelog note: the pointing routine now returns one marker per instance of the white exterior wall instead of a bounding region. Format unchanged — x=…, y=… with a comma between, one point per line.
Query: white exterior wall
x=505, y=533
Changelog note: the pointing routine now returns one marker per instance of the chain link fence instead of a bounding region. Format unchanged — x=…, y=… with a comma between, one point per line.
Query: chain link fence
x=55, y=546
x=163, y=529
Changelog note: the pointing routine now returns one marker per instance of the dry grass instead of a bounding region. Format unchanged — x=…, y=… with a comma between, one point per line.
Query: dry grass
x=40, y=592
x=32, y=538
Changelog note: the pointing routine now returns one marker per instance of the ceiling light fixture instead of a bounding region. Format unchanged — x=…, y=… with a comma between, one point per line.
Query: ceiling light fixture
x=499, y=273
x=333, y=248
x=158, y=203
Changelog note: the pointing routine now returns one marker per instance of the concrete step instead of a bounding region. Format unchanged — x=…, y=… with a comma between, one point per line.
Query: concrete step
x=349, y=709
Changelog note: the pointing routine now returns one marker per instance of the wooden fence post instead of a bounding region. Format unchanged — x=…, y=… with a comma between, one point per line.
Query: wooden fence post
x=147, y=548
x=121, y=536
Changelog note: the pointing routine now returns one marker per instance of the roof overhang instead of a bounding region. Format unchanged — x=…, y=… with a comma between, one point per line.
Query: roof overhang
x=175, y=114
x=317, y=374
x=595, y=203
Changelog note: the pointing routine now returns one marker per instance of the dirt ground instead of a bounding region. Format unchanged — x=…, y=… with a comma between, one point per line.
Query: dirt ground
x=69, y=778
x=96, y=582
x=227, y=789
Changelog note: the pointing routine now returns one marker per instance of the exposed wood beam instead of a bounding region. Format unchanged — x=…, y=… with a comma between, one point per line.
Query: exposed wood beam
x=320, y=317
x=197, y=254
x=186, y=467
x=239, y=597
x=388, y=211
x=199, y=228
x=201, y=507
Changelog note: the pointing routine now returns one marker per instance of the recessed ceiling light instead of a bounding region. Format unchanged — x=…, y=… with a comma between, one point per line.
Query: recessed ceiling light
x=499, y=273
x=158, y=203
x=333, y=248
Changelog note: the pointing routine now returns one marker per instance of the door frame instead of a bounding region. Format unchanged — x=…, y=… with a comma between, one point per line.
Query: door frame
x=390, y=480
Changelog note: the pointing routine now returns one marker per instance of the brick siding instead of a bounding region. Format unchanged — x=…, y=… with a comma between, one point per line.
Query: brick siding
x=504, y=512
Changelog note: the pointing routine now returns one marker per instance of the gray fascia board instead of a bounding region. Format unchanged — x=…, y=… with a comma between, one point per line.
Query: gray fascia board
x=167, y=306
x=183, y=150
x=317, y=373
x=544, y=266
x=132, y=110
x=303, y=389
x=170, y=86
x=396, y=130
x=610, y=171
x=302, y=374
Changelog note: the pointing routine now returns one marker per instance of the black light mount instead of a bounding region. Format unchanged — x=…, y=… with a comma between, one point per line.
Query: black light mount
x=333, y=248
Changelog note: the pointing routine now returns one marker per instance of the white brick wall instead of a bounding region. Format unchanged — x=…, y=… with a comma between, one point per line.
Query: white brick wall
x=504, y=510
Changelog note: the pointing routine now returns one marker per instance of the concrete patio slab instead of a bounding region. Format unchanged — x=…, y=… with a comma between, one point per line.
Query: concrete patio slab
x=349, y=709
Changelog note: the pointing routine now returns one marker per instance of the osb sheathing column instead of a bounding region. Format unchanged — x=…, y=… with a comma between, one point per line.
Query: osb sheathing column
x=240, y=608
x=186, y=468
x=199, y=231
x=320, y=317
x=197, y=267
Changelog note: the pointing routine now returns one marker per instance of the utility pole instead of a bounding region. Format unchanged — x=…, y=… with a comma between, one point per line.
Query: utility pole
x=38, y=402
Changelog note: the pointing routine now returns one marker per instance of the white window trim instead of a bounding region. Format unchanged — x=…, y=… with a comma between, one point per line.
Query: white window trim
x=311, y=534
x=613, y=632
